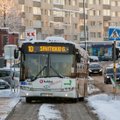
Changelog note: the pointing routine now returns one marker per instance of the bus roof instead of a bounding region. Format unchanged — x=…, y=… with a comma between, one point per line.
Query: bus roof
x=53, y=39
x=56, y=39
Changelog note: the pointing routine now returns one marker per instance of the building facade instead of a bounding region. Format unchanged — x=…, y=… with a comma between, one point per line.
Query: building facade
x=7, y=37
x=76, y=20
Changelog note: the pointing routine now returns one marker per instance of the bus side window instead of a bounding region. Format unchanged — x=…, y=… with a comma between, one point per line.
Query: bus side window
x=78, y=58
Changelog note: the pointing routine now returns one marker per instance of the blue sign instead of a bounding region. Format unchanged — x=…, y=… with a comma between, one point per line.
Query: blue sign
x=114, y=33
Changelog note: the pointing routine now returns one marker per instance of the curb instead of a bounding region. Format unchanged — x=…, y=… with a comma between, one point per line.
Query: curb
x=13, y=109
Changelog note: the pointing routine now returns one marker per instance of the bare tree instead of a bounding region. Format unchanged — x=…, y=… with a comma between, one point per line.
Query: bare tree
x=9, y=15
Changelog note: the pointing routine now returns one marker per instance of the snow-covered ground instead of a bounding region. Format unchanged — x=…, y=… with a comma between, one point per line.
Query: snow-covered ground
x=8, y=100
x=107, y=107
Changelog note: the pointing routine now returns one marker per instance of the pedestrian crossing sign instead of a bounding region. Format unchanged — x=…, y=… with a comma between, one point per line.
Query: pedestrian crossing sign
x=114, y=33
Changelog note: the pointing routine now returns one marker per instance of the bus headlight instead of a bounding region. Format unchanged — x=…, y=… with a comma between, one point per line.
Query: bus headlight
x=66, y=95
x=108, y=77
x=90, y=70
x=27, y=94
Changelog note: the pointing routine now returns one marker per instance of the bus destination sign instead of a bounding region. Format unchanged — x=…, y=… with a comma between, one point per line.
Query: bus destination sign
x=49, y=49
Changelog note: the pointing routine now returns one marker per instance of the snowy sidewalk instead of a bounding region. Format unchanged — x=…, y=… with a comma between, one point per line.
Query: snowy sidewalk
x=8, y=101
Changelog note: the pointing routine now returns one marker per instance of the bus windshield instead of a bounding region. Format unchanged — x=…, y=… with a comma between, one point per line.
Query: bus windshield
x=48, y=65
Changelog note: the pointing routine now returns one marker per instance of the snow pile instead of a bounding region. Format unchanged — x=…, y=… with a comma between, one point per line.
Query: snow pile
x=105, y=106
x=48, y=112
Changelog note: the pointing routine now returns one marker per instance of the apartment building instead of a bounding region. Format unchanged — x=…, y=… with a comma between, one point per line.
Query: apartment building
x=76, y=20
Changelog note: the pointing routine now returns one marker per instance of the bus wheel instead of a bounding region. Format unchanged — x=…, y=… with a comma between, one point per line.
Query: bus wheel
x=28, y=100
x=81, y=98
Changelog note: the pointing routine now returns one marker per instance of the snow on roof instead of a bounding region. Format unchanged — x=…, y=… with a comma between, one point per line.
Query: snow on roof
x=13, y=45
x=51, y=39
x=94, y=57
x=82, y=51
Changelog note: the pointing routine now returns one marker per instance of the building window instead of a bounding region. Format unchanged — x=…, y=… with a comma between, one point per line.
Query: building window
x=92, y=34
x=49, y=12
x=21, y=1
x=30, y=9
x=74, y=2
x=49, y=1
x=36, y=10
x=113, y=3
x=106, y=12
x=51, y=24
x=92, y=23
x=118, y=3
x=75, y=37
x=31, y=24
x=106, y=2
x=99, y=34
x=61, y=2
x=22, y=8
x=98, y=2
x=5, y=39
x=98, y=13
x=45, y=12
x=92, y=12
x=69, y=2
x=75, y=26
x=90, y=1
x=118, y=14
x=113, y=14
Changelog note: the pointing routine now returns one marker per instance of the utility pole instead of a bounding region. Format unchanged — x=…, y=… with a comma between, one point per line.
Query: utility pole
x=4, y=16
x=114, y=65
x=84, y=17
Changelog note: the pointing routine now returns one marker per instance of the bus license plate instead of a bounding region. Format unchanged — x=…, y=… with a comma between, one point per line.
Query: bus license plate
x=46, y=94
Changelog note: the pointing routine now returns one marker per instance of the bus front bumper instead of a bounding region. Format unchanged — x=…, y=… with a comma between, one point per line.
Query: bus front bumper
x=68, y=94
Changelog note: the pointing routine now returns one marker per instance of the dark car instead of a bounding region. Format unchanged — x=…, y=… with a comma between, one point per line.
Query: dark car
x=109, y=73
x=106, y=58
x=4, y=84
x=95, y=68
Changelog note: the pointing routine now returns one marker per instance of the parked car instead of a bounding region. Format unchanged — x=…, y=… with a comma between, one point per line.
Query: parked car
x=109, y=73
x=95, y=68
x=4, y=84
x=106, y=58
x=93, y=59
x=9, y=75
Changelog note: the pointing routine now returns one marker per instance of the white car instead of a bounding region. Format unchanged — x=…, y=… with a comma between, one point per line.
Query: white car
x=10, y=75
x=4, y=84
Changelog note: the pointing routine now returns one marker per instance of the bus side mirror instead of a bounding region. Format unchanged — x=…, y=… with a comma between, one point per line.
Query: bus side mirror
x=16, y=54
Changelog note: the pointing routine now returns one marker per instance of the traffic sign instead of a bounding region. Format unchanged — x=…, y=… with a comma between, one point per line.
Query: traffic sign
x=30, y=34
x=114, y=33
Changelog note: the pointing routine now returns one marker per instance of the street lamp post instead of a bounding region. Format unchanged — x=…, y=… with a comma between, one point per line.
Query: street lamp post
x=4, y=17
x=84, y=17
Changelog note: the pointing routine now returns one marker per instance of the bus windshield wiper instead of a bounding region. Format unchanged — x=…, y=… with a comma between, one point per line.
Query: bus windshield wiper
x=61, y=76
x=39, y=73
